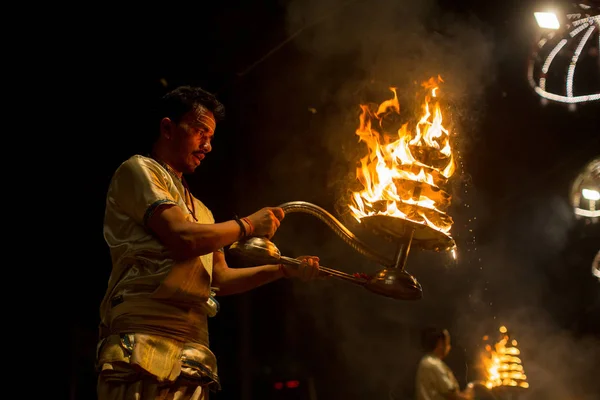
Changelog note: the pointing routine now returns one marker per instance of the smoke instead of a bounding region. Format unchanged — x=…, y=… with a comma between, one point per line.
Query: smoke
x=396, y=42
x=361, y=345
x=351, y=54
x=525, y=276
x=360, y=49
x=528, y=276
x=348, y=53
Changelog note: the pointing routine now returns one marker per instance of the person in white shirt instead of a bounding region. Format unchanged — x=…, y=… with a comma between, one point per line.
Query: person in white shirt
x=435, y=380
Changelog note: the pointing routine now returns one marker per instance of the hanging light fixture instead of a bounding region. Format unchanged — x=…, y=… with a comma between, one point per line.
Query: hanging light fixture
x=585, y=192
x=564, y=66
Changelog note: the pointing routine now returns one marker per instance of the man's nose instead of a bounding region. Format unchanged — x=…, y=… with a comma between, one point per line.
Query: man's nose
x=207, y=147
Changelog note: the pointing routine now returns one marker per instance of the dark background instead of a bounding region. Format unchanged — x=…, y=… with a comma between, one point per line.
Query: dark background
x=291, y=75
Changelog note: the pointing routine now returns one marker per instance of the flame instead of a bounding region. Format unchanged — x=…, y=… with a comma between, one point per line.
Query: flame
x=403, y=176
x=502, y=363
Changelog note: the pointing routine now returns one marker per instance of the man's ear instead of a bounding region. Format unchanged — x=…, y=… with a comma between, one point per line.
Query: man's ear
x=166, y=127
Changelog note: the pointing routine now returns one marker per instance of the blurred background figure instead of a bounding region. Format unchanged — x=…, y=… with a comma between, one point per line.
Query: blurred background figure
x=435, y=380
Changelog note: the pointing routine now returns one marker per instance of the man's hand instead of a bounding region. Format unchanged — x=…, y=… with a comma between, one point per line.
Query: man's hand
x=467, y=394
x=307, y=271
x=266, y=221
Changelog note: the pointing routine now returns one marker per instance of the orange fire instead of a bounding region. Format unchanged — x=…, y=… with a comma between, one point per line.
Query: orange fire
x=502, y=363
x=403, y=173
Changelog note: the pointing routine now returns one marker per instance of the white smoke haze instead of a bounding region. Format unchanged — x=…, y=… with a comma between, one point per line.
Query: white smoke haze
x=367, y=346
x=397, y=43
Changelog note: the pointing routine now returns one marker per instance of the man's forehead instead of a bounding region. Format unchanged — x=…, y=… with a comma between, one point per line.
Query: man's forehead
x=205, y=117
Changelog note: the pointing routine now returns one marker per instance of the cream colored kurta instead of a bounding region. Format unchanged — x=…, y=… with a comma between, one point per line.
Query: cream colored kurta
x=150, y=294
x=434, y=379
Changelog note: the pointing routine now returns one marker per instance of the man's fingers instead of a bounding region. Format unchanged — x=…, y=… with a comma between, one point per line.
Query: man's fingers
x=278, y=212
x=314, y=270
x=307, y=273
x=311, y=269
x=308, y=268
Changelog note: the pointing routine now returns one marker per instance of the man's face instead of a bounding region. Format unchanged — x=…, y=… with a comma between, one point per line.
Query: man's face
x=191, y=139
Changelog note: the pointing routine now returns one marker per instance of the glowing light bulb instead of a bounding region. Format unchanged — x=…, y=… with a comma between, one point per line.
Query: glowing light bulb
x=547, y=20
x=590, y=194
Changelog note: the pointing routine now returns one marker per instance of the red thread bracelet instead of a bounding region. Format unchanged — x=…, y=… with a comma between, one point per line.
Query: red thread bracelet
x=247, y=220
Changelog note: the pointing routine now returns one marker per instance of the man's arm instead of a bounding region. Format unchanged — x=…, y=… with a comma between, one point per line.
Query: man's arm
x=141, y=189
x=186, y=239
x=239, y=280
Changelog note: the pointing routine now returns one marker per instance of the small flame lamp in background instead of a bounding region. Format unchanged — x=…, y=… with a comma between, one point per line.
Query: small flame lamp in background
x=503, y=367
x=564, y=66
x=585, y=192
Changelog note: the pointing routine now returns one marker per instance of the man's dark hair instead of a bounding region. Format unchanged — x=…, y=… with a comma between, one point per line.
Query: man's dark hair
x=183, y=99
x=176, y=103
x=430, y=337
